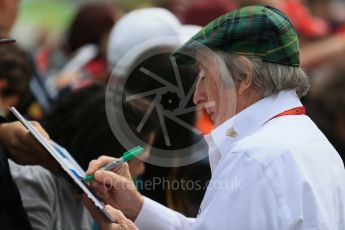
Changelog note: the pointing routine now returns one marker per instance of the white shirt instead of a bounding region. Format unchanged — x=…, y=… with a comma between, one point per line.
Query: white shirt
x=279, y=173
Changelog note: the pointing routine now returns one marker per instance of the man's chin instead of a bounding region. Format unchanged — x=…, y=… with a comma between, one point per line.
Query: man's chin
x=216, y=121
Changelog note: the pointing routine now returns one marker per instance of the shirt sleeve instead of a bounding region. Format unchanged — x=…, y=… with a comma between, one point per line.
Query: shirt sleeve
x=37, y=190
x=156, y=216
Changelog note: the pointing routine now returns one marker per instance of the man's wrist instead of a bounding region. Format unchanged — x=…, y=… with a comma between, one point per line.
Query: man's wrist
x=138, y=206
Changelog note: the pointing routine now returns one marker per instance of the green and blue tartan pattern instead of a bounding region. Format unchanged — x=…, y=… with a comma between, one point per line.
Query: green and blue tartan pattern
x=259, y=31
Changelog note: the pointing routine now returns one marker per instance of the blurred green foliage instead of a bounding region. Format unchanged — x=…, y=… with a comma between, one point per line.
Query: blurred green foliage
x=53, y=14
x=128, y=5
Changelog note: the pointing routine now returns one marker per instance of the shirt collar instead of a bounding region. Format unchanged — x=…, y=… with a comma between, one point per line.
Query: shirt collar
x=251, y=119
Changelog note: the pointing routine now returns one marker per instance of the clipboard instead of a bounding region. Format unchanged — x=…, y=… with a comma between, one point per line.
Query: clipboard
x=71, y=168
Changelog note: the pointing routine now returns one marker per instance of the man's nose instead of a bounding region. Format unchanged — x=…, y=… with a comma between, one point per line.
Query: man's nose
x=199, y=94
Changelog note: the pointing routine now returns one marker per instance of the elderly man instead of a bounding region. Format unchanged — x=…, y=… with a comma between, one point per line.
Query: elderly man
x=271, y=166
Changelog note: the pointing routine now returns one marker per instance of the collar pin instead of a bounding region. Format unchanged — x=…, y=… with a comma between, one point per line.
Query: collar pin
x=231, y=132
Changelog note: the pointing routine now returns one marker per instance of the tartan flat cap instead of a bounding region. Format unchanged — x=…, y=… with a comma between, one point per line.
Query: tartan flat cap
x=257, y=31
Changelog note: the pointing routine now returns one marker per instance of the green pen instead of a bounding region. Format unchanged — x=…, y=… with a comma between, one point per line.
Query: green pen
x=127, y=156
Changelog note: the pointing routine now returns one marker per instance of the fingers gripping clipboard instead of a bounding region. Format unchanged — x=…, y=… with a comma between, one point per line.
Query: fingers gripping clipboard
x=70, y=167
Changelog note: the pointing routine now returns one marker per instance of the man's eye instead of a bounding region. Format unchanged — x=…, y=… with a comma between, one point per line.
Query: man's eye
x=202, y=75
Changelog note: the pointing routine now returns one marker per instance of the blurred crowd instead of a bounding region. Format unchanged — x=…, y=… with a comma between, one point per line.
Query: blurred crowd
x=62, y=84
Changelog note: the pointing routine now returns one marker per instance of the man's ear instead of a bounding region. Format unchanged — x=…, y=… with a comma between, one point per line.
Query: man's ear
x=246, y=76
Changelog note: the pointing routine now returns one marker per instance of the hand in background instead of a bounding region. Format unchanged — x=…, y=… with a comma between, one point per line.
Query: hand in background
x=116, y=187
x=122, y=223
x=23, y=148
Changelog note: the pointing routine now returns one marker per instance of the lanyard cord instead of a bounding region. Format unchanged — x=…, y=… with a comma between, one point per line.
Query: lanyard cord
x=295, y=111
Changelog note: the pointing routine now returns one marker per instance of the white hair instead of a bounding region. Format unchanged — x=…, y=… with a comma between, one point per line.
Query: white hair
x=269, y=78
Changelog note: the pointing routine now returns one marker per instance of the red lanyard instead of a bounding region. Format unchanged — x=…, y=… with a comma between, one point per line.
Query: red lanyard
x=295, y=111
